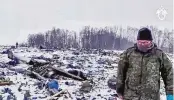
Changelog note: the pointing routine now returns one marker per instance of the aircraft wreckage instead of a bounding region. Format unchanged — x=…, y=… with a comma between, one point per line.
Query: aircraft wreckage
x=47, y=69
x=43, y=70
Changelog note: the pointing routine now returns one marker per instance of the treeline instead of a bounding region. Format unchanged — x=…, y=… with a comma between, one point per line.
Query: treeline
x=98, y=38
x=103, y=38
x=55, y=38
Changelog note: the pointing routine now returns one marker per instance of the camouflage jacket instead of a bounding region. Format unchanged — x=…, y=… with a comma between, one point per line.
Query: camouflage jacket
x=138, y=76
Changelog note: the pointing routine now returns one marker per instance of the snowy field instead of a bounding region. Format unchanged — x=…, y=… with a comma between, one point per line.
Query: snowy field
x=100, y=67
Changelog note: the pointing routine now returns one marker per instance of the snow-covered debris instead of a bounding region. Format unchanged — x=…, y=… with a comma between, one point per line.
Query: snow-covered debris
x=96, y=66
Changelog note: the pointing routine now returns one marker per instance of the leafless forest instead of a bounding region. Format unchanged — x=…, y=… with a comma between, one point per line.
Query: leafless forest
x=111, y=38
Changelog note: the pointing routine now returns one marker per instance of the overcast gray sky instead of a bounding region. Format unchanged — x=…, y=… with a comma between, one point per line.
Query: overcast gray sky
x=18, y=18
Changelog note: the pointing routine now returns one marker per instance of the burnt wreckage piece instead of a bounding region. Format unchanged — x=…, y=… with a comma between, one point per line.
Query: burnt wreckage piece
x=47, y=70
x=44, y=70
x=77, y=73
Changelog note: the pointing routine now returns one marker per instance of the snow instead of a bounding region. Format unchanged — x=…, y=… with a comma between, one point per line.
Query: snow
x=88, y=61
x=4, y=58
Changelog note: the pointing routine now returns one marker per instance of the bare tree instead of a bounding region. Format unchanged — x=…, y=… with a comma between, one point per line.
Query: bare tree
x=98, y=38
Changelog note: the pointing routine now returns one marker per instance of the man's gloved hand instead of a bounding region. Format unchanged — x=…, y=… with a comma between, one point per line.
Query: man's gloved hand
x=170, y=97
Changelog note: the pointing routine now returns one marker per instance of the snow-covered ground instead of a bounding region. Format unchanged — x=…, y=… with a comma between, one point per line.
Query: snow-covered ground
x=99, y=66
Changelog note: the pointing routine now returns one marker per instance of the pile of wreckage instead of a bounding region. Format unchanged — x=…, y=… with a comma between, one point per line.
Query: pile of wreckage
x=58, y=75
x=87, y=71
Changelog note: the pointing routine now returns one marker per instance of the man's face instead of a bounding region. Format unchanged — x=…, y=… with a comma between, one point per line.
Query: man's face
x=144, y=43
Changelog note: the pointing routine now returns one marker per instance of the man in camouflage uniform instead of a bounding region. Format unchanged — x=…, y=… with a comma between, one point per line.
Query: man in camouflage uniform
x=140, y=68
